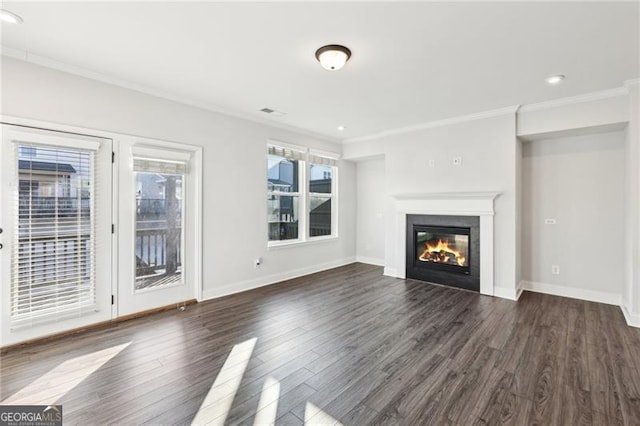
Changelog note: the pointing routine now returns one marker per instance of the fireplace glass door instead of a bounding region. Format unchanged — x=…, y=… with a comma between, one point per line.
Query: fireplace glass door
x=445, y=248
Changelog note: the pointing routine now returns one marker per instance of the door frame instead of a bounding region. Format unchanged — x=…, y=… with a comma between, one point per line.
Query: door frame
x=116, y=137
x=193, y=212
x=101, y=196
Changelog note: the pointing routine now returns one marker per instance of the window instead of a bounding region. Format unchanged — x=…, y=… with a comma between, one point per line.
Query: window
x=298, y=212
x=53, y=270
x=27, y=151
x=284, y=167
x=159, y=223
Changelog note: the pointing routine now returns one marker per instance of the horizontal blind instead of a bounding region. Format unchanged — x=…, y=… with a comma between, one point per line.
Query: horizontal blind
x=286, y=152
x=149, y=165
x=325, y=160
x=54, y=252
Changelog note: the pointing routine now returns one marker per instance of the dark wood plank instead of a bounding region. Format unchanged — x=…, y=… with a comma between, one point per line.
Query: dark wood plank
x=604, y=391
x=359, y=348
x=624, y=371
x=515, y=411
x=547, y=391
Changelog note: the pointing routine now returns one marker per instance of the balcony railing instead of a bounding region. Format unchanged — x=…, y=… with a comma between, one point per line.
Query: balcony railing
x=152, y=252
x=48, y=207
x=289, y=230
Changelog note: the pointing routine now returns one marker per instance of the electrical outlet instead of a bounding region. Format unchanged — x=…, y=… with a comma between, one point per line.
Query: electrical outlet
x=550, y=221
x=555, y=269
x=457, y=161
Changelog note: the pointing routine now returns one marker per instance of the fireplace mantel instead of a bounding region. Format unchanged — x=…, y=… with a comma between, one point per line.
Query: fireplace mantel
x=446, y=203
x=446, y=196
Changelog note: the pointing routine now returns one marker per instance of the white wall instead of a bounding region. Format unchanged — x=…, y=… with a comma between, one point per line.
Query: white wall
x=631, y=294
x=234, y=213
x=519, y=196
x=579, y=182
x=489, y=150
x=371, y=205
x=608, y=109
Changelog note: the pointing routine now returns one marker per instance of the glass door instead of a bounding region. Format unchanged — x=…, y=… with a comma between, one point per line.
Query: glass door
x=159, y=230
x=156, y=227
x=56, y=232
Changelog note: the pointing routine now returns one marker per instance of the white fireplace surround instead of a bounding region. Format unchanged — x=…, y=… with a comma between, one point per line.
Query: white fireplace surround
x=450, y=203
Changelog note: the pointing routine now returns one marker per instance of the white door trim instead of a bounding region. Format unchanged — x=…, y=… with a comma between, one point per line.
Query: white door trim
x=116, y=137
x=127, y=146
x=103, y=181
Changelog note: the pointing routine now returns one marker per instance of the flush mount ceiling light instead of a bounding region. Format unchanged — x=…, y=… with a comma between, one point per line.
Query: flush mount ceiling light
x=333, y=56
x=10, y=17
x=555, y=79
x=341, y=128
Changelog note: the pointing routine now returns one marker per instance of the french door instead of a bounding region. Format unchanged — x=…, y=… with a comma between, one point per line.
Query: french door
x=157, y=202
x=55, y=260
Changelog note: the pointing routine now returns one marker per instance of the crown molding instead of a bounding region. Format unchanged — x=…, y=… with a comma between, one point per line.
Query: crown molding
x=93, y=75
x=438, y=123
x=588, y=97
x=632, y=83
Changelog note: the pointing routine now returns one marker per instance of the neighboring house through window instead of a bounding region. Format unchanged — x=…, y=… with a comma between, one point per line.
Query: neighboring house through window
x=300, y=208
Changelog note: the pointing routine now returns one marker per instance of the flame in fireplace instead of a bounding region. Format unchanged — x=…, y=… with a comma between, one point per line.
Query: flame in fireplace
x=442, y=252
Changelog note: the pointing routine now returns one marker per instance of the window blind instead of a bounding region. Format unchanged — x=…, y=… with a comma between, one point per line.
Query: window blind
x=286, y=152
x=148, y=165
x=323, y=159
x=54, y=251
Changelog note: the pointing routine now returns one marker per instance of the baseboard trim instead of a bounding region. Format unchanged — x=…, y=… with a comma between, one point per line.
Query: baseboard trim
x=241, y=286
x=390, y=272
x=370, y=260
x=573, y=292
x=519, y=291
x=507, y=293
x=633, y=320
x=94, y=326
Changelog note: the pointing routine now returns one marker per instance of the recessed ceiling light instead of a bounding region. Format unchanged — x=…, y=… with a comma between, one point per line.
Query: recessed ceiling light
x=10, y=17
x=272, y=112
x=341, y=128
x=332, y=57
x=554, y=79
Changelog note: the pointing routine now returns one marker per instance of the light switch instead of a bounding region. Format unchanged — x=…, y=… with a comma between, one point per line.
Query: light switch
x=457, y=161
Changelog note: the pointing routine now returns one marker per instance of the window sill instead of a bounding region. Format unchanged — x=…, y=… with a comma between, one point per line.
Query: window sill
x=273, y=245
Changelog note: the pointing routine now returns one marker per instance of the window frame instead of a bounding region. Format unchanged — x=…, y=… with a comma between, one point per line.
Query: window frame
x=332, y=196
x=304, y=198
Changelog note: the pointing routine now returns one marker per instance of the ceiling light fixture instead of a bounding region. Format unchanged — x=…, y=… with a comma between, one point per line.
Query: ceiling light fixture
x=332, y=57
x=341, y=128
x=554, y=79
x=272, y=112
x=10, y=17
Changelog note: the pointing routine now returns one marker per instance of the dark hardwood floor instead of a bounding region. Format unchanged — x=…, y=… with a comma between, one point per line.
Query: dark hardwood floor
x=347, y=345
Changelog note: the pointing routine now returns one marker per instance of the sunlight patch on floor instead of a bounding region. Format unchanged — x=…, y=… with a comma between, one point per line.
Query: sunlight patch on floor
x=49, y=388
x=215, y=407
x=268, y=405
x=315, y=416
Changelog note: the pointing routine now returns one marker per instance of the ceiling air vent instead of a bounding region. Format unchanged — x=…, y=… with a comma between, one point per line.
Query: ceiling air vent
x=272, y=112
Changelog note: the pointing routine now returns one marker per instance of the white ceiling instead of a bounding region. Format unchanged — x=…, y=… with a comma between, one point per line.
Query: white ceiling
x=412, y=62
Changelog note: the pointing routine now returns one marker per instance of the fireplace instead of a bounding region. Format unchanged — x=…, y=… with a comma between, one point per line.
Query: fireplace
x=444, y=250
